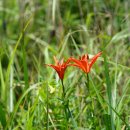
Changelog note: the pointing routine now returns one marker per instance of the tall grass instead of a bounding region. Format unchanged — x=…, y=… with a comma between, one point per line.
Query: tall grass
x=32, y=32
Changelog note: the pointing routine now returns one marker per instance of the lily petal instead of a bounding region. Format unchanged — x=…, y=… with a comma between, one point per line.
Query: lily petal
x=54, y=67
x=93, y=60
x=76, y=61
x=56, y=61
x=85, y=65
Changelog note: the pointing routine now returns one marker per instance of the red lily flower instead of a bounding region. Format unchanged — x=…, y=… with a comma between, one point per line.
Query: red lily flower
x=84, y=63
x=60, y=67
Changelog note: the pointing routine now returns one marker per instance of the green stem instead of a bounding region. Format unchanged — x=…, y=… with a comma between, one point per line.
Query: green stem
x=88, y=80
x=63, y=96
x=66, y=107
x=47, y=128
x=92, y=104
x=4, y=17
x=63, y=88
x=109, y=91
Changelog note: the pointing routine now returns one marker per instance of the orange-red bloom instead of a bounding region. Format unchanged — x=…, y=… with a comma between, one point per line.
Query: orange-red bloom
x=60, y=67
x=84, y=63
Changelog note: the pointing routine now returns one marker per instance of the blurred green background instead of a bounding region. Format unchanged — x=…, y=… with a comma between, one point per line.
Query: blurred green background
x=32, y=32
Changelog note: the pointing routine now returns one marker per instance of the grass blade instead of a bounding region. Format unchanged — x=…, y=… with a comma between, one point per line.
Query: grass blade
x=109, y=90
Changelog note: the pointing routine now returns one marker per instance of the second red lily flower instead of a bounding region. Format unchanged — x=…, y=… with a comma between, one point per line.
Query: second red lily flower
x=84, y=63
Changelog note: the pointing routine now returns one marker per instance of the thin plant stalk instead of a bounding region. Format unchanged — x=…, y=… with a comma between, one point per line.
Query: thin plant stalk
x=87, y=85
x=66, y=107
x=3, y=89
x=11, y=105
x=47, y=119
x=4, y=17
x=64, y=101
x=22, y=24
x=109, y=91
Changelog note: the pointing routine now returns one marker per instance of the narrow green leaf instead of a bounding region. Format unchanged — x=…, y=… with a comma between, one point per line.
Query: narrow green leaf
x=109, y=90
x=2, y=116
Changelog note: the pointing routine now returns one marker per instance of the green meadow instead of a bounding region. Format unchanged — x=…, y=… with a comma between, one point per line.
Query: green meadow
x=84, y=93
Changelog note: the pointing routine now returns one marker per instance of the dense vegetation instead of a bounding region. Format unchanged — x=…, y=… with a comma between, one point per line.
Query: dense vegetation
x=31, y=95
